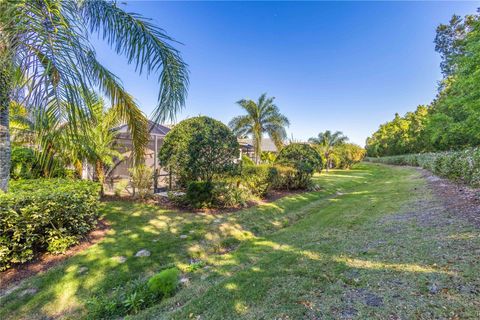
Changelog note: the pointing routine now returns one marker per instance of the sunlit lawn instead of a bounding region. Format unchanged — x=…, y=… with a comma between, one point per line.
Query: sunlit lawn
x=321, y=254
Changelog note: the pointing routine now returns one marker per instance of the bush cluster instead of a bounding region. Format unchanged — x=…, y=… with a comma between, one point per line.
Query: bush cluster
x=461, y=166
x=201, y=153
x=44, y=215
x=135, y=296
x=199, y=149
x=305, y=161
x=346, y=155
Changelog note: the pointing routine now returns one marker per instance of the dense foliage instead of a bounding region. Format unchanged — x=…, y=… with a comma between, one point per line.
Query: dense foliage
x=303, y=158
x=345, y=155
x=258, y=178
x=44, y=215
x=23, y=163
x=462, y=166
x=325, y=142
x=199, y=149
x=452, y=120
x=48, y=62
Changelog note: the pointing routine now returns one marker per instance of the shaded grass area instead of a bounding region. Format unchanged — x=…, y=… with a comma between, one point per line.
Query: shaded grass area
x=374, y=243
x=65, y=290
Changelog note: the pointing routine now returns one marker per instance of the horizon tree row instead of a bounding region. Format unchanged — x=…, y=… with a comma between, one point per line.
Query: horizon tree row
x=452, y=120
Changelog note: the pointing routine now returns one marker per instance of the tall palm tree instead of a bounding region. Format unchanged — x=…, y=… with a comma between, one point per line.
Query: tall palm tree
x=47, y=41
x=263, y=116
x=326, y=141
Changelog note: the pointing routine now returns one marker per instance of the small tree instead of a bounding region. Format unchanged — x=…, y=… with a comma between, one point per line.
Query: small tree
x=199, y=149
x=303, y=158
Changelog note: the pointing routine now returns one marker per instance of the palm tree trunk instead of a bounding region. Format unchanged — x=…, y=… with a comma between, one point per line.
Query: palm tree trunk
x=5, y=148
x=257, y=141
x=100, y=173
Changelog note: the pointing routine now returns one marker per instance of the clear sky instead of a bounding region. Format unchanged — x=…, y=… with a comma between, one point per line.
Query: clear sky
x=345, y=66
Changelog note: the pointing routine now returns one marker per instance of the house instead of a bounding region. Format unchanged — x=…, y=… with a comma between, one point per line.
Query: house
x=121, y=169
x=246, y=146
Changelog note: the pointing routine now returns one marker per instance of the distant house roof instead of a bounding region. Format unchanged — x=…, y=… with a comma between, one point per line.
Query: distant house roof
x=154, y=128
x=267, y=144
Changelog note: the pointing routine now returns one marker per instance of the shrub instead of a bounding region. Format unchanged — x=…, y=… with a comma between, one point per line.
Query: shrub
x=284, y=178
x=142, y=180
x=462, y=166
x=44, y=214
x=23, y=163
x=120, y=186
x=258, y=179
x=218, y=194
x=199, y=149
x=228, y=194
x=347, y=154
x=268, y=157
x=164, y=283
x=304, y=159
x=199, y=194
x=246, y=161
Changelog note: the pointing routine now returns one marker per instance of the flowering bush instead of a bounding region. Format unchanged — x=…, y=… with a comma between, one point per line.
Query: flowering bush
x=462, y=166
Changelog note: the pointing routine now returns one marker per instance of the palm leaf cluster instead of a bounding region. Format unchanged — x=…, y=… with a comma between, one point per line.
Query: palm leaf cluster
x=263, y=116
x=47, y=43
x=326, y=141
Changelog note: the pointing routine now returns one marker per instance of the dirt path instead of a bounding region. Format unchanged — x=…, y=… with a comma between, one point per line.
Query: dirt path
x=461, y=201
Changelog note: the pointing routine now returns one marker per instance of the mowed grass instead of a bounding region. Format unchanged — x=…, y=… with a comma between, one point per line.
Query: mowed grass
x=344, y=252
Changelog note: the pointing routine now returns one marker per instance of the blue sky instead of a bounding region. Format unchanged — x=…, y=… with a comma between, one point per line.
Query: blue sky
x=345, y=66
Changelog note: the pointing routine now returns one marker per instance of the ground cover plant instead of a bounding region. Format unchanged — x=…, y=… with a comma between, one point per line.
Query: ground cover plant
x=305, y=256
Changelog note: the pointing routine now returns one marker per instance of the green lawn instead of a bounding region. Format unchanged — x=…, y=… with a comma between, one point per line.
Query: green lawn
x=348, y=251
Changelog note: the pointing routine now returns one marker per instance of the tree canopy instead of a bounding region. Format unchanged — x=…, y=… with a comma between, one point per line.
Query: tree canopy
x=452, y=120
x=48, y=62
x=198, y=149
x=263, y=116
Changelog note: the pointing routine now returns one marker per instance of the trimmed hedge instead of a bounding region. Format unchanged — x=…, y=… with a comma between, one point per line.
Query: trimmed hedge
x=461, y=166
x=45, y=215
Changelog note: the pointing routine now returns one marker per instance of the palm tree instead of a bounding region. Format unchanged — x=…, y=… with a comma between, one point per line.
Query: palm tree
x=326, y=141
x=98, y=139
x=262, y=117
x=47, y=41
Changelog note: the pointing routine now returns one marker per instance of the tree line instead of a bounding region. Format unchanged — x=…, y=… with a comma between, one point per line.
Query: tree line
x=452, y=120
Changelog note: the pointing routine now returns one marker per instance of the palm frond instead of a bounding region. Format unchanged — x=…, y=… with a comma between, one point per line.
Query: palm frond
x=146, y=46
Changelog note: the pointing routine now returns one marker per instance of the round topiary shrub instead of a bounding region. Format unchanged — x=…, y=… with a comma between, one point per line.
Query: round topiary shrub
x=199, y=149
x=304, y=159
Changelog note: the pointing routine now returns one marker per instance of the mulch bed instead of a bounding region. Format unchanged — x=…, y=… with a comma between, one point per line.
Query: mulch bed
x=165, y=203
x=45, y=261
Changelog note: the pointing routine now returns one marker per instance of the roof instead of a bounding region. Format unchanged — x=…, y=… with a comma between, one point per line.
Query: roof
x=266, y=144
x=155, y=128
